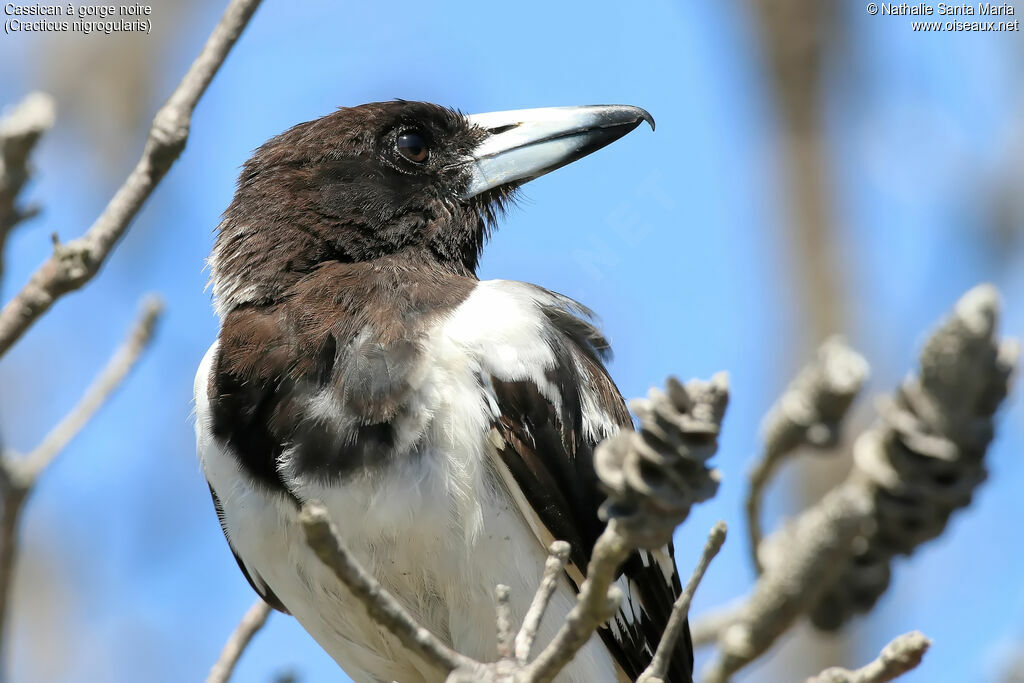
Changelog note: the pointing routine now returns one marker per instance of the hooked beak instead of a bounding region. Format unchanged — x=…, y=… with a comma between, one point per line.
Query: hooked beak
x=527, y=143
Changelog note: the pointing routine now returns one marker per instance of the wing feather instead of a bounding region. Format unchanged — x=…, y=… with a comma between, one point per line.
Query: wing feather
x=545, y=441
x=262, y=589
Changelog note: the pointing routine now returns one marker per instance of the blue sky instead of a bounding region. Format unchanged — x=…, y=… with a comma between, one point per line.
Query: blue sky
x=677, y=239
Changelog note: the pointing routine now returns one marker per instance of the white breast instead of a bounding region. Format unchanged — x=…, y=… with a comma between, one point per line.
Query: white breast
x=437, y=528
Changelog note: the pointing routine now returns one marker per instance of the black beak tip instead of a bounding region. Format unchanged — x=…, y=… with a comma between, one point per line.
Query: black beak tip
x=646, y=116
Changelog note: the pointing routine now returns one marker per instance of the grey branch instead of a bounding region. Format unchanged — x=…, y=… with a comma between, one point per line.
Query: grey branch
x=597, y=602
x=20, y=130
x=897, y=658
x=705, y=629
x=322, y=537
x=558, y=555
x=502, y=596
x=18, y=476
x=658, y=668
x=925, y=456
x=99, y=391
x=653, y=477
x=803, y=565
x=73, y=264
x=809, y=413
x=253, y=620
x=915, y=467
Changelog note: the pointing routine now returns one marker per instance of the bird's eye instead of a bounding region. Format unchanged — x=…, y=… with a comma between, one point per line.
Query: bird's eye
x=413, y=146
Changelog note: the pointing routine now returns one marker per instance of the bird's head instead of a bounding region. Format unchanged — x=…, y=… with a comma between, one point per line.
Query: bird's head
x=389, y=177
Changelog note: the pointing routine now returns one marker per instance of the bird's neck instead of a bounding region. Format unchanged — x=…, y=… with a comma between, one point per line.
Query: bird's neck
x=247, y=268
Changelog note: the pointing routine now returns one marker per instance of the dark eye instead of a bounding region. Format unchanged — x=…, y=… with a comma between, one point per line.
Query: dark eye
x=412, y=146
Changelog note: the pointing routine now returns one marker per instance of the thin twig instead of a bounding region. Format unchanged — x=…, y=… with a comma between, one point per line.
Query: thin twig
x=558, y=555
x=20, y=130
x=808, y=413
x=503, y=595
x=382, y=607
x=18, y=476
x=597, y=602
x=658, y=668
x=897, y=658
x=705, y=629
x=73, y=264
x=99, y=391
x=251, y=622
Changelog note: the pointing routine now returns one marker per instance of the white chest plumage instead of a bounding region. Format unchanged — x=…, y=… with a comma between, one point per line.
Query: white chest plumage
x=438, y=526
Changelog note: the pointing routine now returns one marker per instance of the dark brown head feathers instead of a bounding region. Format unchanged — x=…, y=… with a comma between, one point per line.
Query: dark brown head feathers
x=338, y=189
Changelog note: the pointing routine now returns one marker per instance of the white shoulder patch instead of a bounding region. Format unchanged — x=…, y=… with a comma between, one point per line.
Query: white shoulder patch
x=501, y=325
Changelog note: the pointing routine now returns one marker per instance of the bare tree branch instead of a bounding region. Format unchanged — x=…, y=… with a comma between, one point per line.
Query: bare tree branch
x=322, y=537
x=653, y=476
x=253, y=620
x=897, y=658
x=809, y=413
x=20, y=130
x=558, y=555
x=597, y=602
x=96, y=394
x=503, y=596
x=819, y=542
x=75, y=263
x=917, y=465
x=1013, y=668
x=925, y=456
x=705, y=629
x=18, y=476
x=658, y=668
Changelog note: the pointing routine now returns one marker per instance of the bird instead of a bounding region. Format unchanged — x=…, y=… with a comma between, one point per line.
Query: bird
x=447, y=423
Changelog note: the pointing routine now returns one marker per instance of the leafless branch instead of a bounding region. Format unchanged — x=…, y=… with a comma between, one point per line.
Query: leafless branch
x=253, y=620
x=20, y=130
x=809, y=413
x=73, y=264
x=323, y=538
x=658, y=668
x=1013, y=668
x=558, y=555
x=502, y=595
x=819, y=544
x=653, y=476
x=897, y=658
x=18, y=476
x=705, y=629
x=597, y=602
x=96, y=394
x=920, y=463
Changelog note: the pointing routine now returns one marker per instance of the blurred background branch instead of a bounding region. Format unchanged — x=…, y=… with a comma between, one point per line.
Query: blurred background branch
x=809, y=413
x=794, y=37
x=251, y=623
x=20, y=130
x=73, y=264
x=900, y=656
x=18, y=475
x=918, y=464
